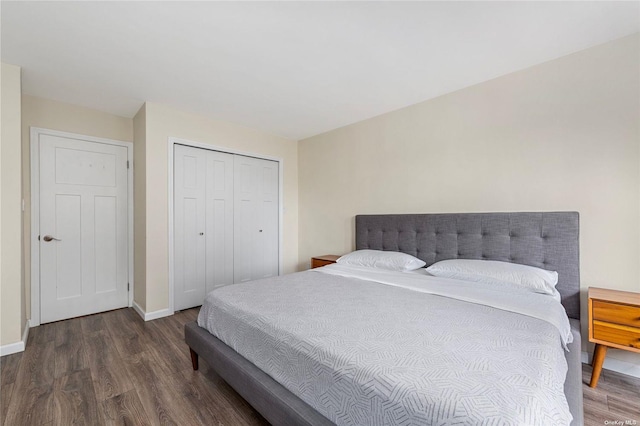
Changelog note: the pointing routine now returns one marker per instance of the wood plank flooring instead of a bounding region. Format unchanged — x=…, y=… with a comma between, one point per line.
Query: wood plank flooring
x=115, y=369
x=617, y=397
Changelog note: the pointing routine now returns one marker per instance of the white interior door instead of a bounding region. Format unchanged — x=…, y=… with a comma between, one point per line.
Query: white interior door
x=83, y=227
x=189, y=226
x=256, y=218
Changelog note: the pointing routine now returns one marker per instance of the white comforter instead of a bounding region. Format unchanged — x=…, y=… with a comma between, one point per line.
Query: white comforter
x=367, y=347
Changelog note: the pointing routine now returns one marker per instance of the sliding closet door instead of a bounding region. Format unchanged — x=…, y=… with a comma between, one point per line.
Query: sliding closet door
x=189, y=226
x=256, y=218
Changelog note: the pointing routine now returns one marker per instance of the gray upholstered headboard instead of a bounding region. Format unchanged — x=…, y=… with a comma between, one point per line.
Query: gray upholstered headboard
x=545, y=240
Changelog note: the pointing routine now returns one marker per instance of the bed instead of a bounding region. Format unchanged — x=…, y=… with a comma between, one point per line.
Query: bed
x=546, y=240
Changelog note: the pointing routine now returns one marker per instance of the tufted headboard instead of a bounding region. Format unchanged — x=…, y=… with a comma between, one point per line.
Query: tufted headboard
x=546, y=240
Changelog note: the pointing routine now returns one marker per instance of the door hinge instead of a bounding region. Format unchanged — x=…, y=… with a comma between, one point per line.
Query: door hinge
x=38, y=237
x=128, y=286
x=127, y=164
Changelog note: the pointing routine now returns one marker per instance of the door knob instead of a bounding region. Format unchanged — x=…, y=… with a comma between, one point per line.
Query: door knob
x=48, y=238
x=260, y=230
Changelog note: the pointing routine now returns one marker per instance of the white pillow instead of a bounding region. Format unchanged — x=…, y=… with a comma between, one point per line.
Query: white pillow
x=391, y=260
x=487, y=271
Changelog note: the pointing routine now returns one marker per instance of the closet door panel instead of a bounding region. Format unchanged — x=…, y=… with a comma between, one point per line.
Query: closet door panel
x=268, y=218
x=189, y=226
x=190, y=242
x=245, y=253
x=219, y=234
x=256, y=223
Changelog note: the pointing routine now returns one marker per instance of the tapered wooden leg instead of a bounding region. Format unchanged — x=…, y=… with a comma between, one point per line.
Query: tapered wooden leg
x=598, y=358
x=194, y=359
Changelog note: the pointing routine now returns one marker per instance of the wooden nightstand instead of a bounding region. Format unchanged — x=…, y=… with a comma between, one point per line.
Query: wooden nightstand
x=614, y=321
x=323, y=260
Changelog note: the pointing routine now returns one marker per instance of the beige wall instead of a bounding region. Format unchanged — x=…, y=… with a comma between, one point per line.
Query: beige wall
x=140, y=207
x=563, y=135
x=44, y=113
x=163, y=122
x=13, y=315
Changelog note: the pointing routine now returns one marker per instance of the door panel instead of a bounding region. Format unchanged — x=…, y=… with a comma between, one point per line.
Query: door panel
x=189, y=226
x=219, y=272
x=191, y=241
x=68, y=266
x=106, y=243
x=84, y=204
x=269, y=242
x=219, y=240
x=244, y=253
x=269, y=216
x=82, y=167
x=256, y=228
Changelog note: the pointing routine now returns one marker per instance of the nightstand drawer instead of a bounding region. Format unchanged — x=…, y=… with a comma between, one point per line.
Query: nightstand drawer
x=619, y=334
x=616, y=313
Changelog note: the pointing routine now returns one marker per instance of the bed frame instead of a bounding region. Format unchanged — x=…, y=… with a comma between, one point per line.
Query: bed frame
x=548, y=240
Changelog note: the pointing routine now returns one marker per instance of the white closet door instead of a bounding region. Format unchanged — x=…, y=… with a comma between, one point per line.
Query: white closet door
x=256, y=218
x=219, y=221
x=189, y=226
x=225, y=221
x=268, y=219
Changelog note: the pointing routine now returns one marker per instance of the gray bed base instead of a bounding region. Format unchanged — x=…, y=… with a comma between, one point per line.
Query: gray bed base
x=276, y=403
x=547, y=240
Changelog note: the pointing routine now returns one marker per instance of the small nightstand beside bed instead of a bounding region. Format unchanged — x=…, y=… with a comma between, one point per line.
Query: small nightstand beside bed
x=614, y=321
x=352, y=345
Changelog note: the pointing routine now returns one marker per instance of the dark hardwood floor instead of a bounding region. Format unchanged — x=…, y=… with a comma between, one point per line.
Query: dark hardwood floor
x=115, y=369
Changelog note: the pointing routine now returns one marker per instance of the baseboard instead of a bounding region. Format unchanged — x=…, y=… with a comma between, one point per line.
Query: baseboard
x=150, y=316
x=13, y=348
x=624, y=367
x=140, y=311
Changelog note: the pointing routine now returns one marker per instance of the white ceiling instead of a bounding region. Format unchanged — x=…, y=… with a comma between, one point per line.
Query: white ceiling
x=294, y=69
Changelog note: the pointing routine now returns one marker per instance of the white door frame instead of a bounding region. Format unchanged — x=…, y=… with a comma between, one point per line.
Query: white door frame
x=173, y=141
x=35, y=134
